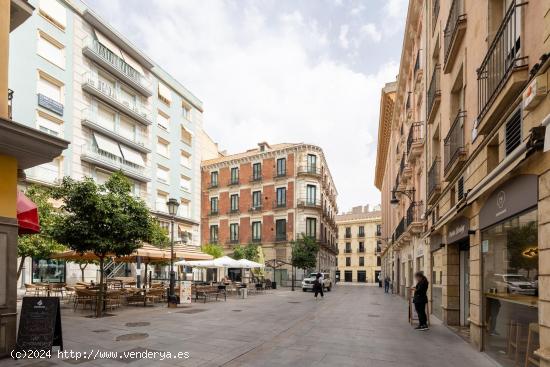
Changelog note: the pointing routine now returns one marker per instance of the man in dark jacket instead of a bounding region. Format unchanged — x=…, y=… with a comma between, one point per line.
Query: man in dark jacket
x=420, y=300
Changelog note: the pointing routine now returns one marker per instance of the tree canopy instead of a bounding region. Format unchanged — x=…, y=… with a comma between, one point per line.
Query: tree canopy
x=212, y=249
x=249, y=252
x=304, y=253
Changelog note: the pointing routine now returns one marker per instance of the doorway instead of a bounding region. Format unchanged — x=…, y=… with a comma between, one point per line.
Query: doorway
x=377, y=276
x=281, y=277
x=361, y=276
x=348, y=275
x=464, y=287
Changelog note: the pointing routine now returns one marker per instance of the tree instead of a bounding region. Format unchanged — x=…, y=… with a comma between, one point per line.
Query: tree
x=249, y=252
x=304, y=253
x=40, y=245
x=106, y=220
x=212, y=249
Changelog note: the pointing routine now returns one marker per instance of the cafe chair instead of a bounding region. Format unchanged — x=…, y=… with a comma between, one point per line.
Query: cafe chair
x=31, y=289
x=532, y=345
x=515, y=340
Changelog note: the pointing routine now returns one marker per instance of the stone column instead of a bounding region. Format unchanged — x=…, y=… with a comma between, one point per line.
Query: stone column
x=544, y=268
x=451, y=285
x=476, y=291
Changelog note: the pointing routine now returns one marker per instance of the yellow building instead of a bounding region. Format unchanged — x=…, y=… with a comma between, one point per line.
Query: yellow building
x=359, y=246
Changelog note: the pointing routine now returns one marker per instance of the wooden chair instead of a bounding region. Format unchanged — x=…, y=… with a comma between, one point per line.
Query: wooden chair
x=532, y=345
x=267, y=284
x=70, y=292
x=84, y=297
x=32, y=289
x=515, y=340
x=113, y=299
x=57, y=288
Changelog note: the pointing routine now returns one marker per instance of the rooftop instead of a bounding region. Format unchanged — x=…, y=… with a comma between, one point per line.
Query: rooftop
x=262, y=147
x=360, y=212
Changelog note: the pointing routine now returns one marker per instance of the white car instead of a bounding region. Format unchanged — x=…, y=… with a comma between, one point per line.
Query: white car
x=515, y=283
x=307, y=283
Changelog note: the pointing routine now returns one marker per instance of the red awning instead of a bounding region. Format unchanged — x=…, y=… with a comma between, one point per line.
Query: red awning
x=27, y=215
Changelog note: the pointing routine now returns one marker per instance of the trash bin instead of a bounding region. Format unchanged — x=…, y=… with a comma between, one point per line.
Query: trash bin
x=273, y=285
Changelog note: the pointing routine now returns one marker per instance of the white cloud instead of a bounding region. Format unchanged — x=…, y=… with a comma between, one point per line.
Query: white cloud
x=370, y=31
x=271, y=83
x=343, y=37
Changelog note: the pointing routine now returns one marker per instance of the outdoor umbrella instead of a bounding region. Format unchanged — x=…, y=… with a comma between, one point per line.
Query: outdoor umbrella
x=248, y=264
x=27, y=215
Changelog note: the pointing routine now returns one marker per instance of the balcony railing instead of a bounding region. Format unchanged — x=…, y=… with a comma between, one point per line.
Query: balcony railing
x=503, y=55
x=255, y=239
x=280, y=174
x=456, y=17
x=347, y=251
x=378, y=233
x=279, y=205
x=105, y=57
x=309, y=170
x=400, y=229
x=233, y=181
x=435, y=14
x=255, y=208
x=361, y=234
x=434, y=91
x=213, y=185
x=256, y=178
x=234, y=241
x=93, y=85
x=414, y=213
x=213, y=212
x=418, y=61
x=433, y=177
x=280, y=237
x=454, y=142
x=310, y=203
x=361, y=250
x=10, y=101
x=92, y=154
x=416, y=134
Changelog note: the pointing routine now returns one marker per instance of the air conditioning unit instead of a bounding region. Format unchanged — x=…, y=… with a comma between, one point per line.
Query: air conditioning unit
x=535, y=92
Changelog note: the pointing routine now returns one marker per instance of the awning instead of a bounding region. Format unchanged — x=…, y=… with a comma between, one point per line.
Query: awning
x=27, y=215
x=164, y=91
x=132, y=156
x=107, y=145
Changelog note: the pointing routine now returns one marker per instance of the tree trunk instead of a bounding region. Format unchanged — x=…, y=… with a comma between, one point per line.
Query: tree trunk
x=20, y=269
x=82, y=268
x=99, y=305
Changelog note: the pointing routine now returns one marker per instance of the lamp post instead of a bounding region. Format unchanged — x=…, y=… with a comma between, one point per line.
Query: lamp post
x=408, y=193
x=172, y=205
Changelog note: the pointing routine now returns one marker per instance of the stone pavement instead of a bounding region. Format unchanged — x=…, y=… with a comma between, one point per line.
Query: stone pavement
x=352, y=326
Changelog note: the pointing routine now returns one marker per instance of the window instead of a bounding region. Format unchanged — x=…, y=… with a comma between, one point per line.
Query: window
x=281, y=167
x=164, y=94
x=128, y=98
x=311, y=194
x=186, y=112
x=348, y=232
x=53, y=11
x=185, y=208
x=161, y=200
x=280, y=229
x=186, y=136
x=256, y=199
x=185, y=159
x=214, y=233
x=256, y=171
x=234, y=232
x=163, y=121
x=234, y=201
x=311, y=227
x=361, y=247
x=214, y=205
x=163, y=147
x=281, y=197
x=48, y=270
x=49, y=88
x=234, y=175
x=51, y=50
x=348, y=247
x=214, y=179
x=378, y=230
x=106, y=117
x=312, y=163
x=49, y=124
x=130, y=131
x=348, y=261
x=256, y=231
x=361, y=261
x=513, y=132
x=361, y=231
x=185, y=183
x=163, y=174
x=378, y=261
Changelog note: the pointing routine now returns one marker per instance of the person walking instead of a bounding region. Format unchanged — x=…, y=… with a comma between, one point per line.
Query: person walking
x=420, y=299
x=386, y=284
x=318, y=285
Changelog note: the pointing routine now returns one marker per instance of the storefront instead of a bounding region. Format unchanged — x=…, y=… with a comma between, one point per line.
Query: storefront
x=436, y=250
x=509, y=252
x=48, y=270
x=458, y=240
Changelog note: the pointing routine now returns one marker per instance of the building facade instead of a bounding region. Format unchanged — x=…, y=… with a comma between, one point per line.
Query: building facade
x=486, y=171
x=271, y=196
x=359, y=245
x=77, y=78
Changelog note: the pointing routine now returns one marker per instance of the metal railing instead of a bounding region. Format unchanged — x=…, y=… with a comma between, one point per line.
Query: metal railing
x=414, y=212
x=10, y=103
x=503, y=55
x=233, y=181
x=310, y=203
x=435, y=14
x=255, y=208
x=213, y=185
x=256, y=178
x=400, y=229
x=279, y=205
x=310, y=169
x=118, y=162
x=418, y=61
x=280, y=237
x=454, y=142
x=433, y=177
x=280, y=174
x=136, y=136
x=416, y=134
x=434, y=89
x=456, y=15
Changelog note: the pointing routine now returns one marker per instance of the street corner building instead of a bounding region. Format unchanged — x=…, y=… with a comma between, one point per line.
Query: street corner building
x=463, y=169
x=359, y=245
x=75, y=77
x=271, y=196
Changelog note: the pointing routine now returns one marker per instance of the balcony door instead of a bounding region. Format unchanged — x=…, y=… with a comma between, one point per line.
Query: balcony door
x=311, y=194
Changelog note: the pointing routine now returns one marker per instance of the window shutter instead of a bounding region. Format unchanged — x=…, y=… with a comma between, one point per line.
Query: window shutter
x=513, y=132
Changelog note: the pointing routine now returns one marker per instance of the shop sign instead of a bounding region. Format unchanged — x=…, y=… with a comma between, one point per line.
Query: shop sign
x=513, y=197
x=39, y=325
x=185, y=292
x=435, y=242
x=458, y=230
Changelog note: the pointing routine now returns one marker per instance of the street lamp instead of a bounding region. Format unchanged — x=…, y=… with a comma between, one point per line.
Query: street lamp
x=172, y=205
x=408, y=193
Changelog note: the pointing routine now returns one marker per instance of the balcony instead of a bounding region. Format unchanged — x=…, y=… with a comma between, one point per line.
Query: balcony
x=378, y=233
x=109, y=95
x=435, y=14
x=50, y=104
x=213, y=185
x=213, y=241
x=136, y=139
x=414, y=221
x=255, y=208
x=44, y=174
x=399, y=230
x=310, y=204
x=233, y=211
x=434, y=93
x=415, y=141
x=361, y=235
x=280, y=175
x=455, y=152
x=454, y=33
x=281, y=237
x=213, y=213
x=233, y=181
x=256, y=178
x=434, y=181
x=418, y=62
x=117, y=66
x=503, y=72
x=92, y=154
x=347, y=251
x=279, y=205
x=255, y=239
x=309, y=171
x=361, y=250
x=405, y=169
x=234, y=241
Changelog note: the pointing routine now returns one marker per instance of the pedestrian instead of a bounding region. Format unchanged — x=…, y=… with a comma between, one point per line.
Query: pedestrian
x=386, y=284
x=318, y=285
x=420, y=300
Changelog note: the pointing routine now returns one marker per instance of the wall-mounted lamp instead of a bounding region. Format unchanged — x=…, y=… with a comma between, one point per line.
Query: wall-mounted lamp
x=408, y=193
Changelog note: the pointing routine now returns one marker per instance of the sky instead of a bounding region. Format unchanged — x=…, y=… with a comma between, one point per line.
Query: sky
x=279, y=71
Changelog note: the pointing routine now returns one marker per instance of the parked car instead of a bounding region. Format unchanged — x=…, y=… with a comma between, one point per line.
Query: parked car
x=515, y=283
x=307, y=283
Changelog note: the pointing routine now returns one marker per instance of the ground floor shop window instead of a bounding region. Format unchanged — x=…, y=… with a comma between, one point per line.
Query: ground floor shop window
x=361, y=276
x=52, y=271
x=510, y=286
x=348, y=276
x=436, y=280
